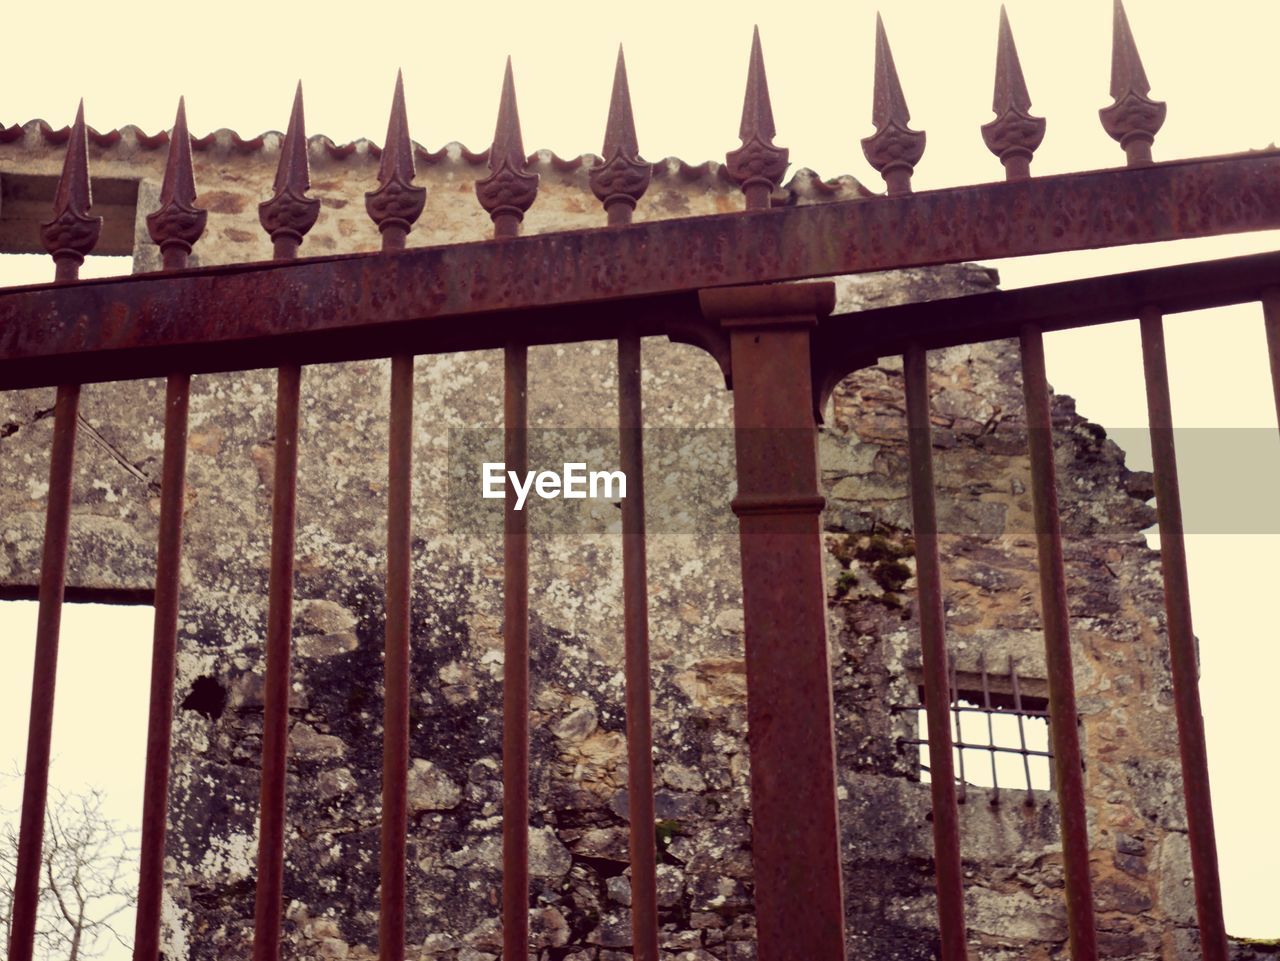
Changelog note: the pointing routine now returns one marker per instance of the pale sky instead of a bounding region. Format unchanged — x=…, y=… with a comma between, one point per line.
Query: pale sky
x=1212, y=63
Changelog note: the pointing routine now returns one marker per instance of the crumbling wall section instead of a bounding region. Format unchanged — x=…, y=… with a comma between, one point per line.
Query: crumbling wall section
x=1012, y=857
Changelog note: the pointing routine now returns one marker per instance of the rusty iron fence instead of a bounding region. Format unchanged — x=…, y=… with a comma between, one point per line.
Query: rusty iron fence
x=712, y=281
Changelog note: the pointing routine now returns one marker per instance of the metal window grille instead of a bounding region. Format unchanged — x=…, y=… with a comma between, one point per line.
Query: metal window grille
x=988, y=724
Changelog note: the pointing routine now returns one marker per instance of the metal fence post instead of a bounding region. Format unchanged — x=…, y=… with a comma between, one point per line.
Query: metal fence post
x=796, y=833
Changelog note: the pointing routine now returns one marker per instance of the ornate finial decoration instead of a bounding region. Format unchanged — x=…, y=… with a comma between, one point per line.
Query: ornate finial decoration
x=397, y=203
x=178, y=223
x=1014, y=135
x=73, y=233
x=289, y=214
x=757, y=165
x=1134, y=118
x=508, y=191
x=894, y=149
x=621, y=177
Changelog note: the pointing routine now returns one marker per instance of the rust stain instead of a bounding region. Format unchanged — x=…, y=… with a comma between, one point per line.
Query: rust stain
x=206, y=441
x=223, y=201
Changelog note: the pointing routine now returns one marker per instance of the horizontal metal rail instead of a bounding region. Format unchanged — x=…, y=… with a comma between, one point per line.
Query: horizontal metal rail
x=854, y=340
x=375, y=304
x=961, y=708
x=980, y=746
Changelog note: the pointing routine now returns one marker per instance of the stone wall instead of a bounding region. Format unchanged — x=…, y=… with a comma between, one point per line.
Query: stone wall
x=578, y=767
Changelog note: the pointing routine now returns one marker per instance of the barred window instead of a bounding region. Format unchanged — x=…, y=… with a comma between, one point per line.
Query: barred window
x=1000, y=735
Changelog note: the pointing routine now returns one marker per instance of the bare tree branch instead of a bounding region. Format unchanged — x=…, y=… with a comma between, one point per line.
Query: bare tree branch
x=87, y=865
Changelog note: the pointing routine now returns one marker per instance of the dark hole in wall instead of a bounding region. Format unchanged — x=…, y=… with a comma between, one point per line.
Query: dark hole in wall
x=206, y=697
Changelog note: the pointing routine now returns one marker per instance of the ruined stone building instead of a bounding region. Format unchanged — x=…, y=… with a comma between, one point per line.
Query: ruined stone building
x=1012, y=856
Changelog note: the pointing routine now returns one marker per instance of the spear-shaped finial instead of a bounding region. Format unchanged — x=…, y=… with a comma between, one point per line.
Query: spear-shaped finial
x=289, y=214
x=397, y=203
x=177, y=223
x=894, y=149
x=621, y=177
x=1134, y=118
x=72, y=233
x=757, y=165
x=509, y=190
x=620, y=129
x=1014, y=135
x=1011, y=86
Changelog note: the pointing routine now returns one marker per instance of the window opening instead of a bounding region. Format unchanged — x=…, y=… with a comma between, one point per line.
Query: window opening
x=26, y=202
x=998, y=736
x=96, y=773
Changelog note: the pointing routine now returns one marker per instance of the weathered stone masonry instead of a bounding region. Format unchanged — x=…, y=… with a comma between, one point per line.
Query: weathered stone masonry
x=580, y=893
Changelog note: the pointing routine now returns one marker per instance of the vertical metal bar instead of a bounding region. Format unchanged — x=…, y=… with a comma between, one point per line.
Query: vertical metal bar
x=53, y=567
x=275, y=722
x=394, y=207
x=991, y=733
x=621, y=151
x=933, y=645
x=619, y=215
x=68, y=247
x=1271, y=320
x=515, y=672
x=66, y=270
x=1022, y=732
x=1063, y=718
x=1182, y=642
x=395, y=721
x=635, y=602
x=954, y=701
x=287, y=217
x=506, y=194
x=164, y=646
x=175, y=226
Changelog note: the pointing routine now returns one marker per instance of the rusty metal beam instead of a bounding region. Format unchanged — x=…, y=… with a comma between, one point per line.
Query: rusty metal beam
x=846, y=342
x=251, y=315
